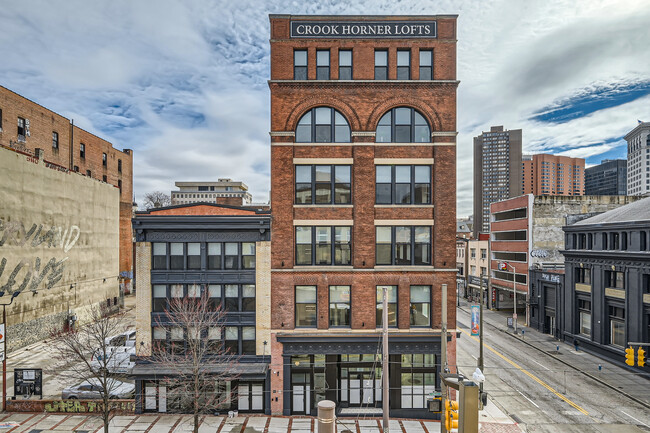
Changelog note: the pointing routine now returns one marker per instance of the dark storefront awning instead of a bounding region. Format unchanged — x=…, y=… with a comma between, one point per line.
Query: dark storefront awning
x=330, y=344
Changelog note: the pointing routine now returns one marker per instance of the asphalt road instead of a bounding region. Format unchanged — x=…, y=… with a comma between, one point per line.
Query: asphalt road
x=541, y=393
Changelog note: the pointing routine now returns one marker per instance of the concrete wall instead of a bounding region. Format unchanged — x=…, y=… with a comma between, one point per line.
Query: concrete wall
x=59, y=245
x=549, y=216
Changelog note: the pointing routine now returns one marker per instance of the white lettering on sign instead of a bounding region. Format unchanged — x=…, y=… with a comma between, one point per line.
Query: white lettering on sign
x=365, y=29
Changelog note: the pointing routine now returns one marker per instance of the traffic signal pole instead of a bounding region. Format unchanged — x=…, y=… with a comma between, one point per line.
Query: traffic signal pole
x=443, y=355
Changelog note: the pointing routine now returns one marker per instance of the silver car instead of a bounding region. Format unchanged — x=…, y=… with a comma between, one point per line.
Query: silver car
x=91, y=389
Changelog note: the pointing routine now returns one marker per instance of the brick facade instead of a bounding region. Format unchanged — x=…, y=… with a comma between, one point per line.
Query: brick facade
x=42, y=123
x=362, y=101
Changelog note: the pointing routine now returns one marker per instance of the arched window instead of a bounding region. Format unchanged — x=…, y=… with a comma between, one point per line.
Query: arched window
x=323, y=125
x=403, y=125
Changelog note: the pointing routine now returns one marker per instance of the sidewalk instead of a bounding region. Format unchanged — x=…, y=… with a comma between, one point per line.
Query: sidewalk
x=43, y=423
x=612, y=375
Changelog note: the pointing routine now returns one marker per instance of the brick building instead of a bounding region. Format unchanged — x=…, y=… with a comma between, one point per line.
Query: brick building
x=363, y=192
x=219, y=251
x=27, y=126
x=544, y=174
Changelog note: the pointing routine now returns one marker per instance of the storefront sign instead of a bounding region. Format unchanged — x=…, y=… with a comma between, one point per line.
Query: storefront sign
x=552, y=278
x=363, y=29
x=539, y=253
x=475, y=311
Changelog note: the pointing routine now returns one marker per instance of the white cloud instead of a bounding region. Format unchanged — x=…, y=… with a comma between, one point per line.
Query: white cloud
x=184, y=83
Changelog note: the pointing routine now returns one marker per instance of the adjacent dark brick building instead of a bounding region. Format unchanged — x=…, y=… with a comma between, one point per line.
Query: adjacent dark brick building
x=363, y=175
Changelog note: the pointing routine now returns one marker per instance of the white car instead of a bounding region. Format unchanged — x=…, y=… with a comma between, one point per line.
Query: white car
x=91, y=389
x=118, y=360
x=120, y=340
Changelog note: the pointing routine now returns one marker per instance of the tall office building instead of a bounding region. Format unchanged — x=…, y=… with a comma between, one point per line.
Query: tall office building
x=607, y=178
x=363, y=192
x=638, y=159
x=497, y=172
x=544, y=174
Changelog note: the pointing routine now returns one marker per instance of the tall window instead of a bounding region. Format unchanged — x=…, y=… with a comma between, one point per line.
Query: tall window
x=82, y=150
x=583, y=275
x=176, y=255
x=232, y=297
x=617, y=326
x=194, y=255
x=214, y=296
x=420, y=306
x=403, y=184
x=323, y=245
x=381, y=65
x=248, y=340
x=22, y=130
x=232, y=255
x=403, y=65
x=323, y=184
x=214, y=255
x=403, y=245
x=305, y=306
x=426, y=65
x=392, y=306
x=232, y=339
x=417, y=380
x=584, y=315
x=614, y=279
x=55, y=140
x=300, y=65
x=248, y=297
x=339, y=305
x=159, y=298
x=104, y=159
x=322, y=64
x=119, y=166
x=403, y=125
x=643, y=241
x=248, y=255
x=323, y=125
x=345, y=64
x=159, y=255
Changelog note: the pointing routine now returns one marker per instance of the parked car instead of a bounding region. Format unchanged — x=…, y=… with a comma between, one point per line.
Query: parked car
x=120, y=340
x=91, y=389
x=118, y=360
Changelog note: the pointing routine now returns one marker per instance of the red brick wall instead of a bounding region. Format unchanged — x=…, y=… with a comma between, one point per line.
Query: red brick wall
x=200, y=210
x=42, y=122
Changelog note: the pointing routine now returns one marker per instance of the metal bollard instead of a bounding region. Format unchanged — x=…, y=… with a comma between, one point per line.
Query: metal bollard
x=326, y=416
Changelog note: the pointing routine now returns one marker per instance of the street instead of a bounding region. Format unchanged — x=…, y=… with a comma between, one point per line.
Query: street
x=543, y=394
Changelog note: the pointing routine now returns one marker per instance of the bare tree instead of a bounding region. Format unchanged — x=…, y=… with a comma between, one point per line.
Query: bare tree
x=195, y=363
x=85, y=355
x=156, y=199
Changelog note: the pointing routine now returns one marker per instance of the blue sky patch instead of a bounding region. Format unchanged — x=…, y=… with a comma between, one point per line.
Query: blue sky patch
x=590, y=100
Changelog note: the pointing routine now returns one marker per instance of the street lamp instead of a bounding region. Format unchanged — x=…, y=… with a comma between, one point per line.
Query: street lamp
x=504, y=267
x=4, y=348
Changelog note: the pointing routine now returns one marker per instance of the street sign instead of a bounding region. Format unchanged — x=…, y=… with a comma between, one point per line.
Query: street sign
x=2, y=333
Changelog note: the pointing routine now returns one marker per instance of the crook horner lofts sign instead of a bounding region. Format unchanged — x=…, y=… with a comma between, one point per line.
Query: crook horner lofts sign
x=363, y=29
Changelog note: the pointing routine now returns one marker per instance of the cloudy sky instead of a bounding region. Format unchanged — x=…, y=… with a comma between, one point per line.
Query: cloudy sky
x=183, y=83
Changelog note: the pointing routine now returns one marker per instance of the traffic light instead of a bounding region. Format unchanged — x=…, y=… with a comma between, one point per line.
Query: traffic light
x=629, y=356
x=641, y=357
x=451, y=414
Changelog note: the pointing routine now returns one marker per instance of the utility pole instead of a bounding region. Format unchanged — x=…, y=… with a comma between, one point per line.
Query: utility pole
x=443, y=354
x=480, y=330
x=384, y=358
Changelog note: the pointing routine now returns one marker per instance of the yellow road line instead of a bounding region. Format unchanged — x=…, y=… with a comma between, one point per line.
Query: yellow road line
x=527, y=373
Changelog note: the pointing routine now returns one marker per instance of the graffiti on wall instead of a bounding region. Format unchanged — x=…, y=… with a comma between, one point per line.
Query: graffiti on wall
x=28, y=274
x=87, y=406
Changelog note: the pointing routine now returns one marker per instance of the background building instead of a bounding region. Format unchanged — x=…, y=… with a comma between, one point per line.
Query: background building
x=59, y=245
x=26, y=126
x=606, y=298
x=478, y=263
x=225, y=191
x=363, y=161
x=224, y=250
x=638, y=159
x=497, y=172
x=526, y=232
x=607, y=178
x=544, y=174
